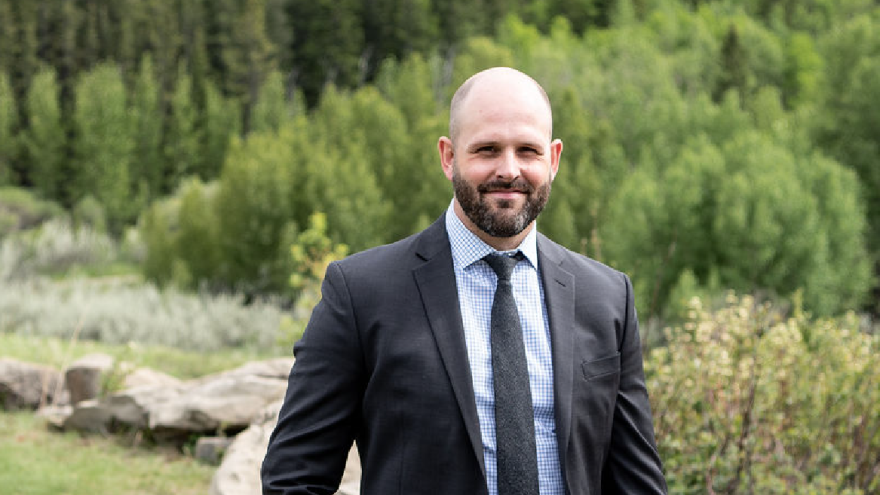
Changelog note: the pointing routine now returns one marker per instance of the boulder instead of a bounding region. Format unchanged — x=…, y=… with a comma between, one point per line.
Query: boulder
x=85, y=377
x=175, y=410
x=210, y=450
x=87, y=415
x=28, y=386
x=239, y=473
x=227, y=401
x=55, y=415
x=146, y=377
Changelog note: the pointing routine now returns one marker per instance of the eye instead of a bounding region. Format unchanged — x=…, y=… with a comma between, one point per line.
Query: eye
x=487, y=149
x=528, y=150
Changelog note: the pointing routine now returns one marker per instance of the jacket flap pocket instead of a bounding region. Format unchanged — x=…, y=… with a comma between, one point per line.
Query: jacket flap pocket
x=602, y=366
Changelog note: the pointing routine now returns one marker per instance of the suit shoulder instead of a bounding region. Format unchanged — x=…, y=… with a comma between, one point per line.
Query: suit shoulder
x=580, y=265
x=381, y=260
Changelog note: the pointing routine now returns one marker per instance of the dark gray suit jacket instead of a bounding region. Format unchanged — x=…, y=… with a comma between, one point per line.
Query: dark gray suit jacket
x=383, y=361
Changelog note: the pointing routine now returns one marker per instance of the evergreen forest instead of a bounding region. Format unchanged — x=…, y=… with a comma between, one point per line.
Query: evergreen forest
x=709, y=144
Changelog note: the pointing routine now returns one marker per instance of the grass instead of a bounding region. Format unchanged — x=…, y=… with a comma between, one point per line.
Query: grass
x=180, y=363
x=36, y=461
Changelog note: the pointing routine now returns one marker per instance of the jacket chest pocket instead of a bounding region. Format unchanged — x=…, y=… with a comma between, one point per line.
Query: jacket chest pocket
x=595, y=394
x=601, y=368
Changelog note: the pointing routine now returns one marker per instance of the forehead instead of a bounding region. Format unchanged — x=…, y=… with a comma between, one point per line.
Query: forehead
x=508, y=109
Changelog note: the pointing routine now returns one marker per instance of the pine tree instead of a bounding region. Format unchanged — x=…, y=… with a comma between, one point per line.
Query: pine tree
x=7, y=35
x=396, y=28
x=253, y=203
x=8, y=128
x=147, y=161
x=104, y=145
x=45, y=138
x=734, y=68
x=247, y=54
x=328, y=42
x=182, y=138
x=220, y=122
x=21, y=26
x=270, y=110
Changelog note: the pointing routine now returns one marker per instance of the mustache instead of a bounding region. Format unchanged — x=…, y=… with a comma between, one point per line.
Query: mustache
x=517, y=185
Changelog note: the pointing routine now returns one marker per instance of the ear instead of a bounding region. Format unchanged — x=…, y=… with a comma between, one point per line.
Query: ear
x=447, y=153
x=555, y=153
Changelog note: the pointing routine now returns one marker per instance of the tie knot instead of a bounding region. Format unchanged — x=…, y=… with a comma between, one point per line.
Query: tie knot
x=503, y=264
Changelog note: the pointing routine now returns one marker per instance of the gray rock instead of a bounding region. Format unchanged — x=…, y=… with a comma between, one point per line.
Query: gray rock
x=174, y=410
x=210, y=450
x=89, y=415
x=227, y=402
x=146, y=377
x=239, y=473
x=55, y=416
x=29, y=386
x=85, y=377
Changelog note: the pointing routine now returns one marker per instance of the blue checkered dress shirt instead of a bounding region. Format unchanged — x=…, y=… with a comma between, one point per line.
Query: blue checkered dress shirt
x=476, y=289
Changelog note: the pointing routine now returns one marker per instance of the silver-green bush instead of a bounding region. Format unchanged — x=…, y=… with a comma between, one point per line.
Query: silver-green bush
x=748, y=400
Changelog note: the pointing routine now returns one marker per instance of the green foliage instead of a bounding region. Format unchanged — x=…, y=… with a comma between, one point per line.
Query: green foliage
x=88, y=212
x=312, y=252
x=776, y=97
x=247, y=53
x=45, y=139
x=395, y=28
x=20, y=209
x=220, y=122
x=270, y=110
x=104, y=145
x=253, y=204
x=8, y=124
x=328, y=39
x=747, y=213
x=182, y=238
x=182, y=138
x=849, y=117
x=147, y=165
x=747, y=400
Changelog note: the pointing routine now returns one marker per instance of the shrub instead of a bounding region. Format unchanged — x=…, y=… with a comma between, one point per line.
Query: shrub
x=53, y=248
x=117, y=312
x=20, y=209
x=747, y=400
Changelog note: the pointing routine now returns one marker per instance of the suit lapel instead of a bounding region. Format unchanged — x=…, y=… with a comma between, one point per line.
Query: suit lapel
x=436, y=282
x=559, y=294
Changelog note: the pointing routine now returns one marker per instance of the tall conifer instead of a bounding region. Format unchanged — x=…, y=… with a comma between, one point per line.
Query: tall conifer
x=8, y=127
x=44, y=139
x=104, y=144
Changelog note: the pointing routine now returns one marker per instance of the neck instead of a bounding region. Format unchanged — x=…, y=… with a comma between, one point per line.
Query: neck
x=497, y=243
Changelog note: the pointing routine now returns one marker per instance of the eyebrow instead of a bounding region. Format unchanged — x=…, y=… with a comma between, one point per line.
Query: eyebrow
x=495, y=142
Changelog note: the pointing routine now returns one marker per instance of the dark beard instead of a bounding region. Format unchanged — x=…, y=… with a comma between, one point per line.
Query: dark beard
x=495, y=222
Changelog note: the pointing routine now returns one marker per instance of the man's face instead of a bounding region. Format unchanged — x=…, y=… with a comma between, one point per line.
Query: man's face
x=502, y=161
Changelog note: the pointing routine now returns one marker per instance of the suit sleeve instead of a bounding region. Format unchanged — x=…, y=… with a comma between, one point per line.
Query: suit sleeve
x=633, y=464
x=320, y=414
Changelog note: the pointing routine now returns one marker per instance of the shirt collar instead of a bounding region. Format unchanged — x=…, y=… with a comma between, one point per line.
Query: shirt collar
x=468, y=248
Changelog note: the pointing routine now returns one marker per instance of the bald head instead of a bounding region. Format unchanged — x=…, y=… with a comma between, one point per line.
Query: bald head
x=492, y=80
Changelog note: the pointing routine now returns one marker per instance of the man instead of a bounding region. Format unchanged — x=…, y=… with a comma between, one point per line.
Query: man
x=411, y=354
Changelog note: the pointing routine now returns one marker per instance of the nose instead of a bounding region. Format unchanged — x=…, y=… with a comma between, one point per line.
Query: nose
x=507, y=166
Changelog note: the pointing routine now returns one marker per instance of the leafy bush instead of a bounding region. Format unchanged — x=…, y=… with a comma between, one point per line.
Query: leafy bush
x=20, y=209
x=54, y=248
x=750, y=214
x=747, y=400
